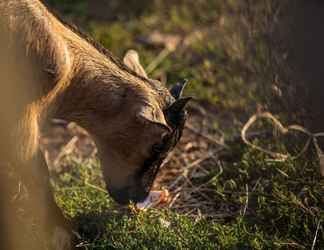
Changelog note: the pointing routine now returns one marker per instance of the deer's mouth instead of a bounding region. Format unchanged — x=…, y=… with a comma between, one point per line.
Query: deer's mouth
x=128, y=194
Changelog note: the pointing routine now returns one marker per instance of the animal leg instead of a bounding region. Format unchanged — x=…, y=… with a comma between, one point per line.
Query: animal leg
x=57, y=229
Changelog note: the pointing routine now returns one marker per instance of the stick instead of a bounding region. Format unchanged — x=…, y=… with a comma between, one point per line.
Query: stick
x=315, y=237
x=247, y=200
x=207, y=137
x=152, y=66
x=186, y=170
x=67, y=149
x=282, y=129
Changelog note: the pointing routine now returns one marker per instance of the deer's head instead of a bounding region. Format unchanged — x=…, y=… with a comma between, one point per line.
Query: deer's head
x=141, y=137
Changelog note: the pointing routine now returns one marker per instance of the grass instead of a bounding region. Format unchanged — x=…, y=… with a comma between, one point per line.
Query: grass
x=284, y=207
x=258, y=203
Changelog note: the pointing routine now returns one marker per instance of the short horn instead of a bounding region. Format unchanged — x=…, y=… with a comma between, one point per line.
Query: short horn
x=177, y=90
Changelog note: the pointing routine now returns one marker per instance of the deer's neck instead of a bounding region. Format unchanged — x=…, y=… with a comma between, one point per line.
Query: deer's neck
x=75, y=81
x=98, y=94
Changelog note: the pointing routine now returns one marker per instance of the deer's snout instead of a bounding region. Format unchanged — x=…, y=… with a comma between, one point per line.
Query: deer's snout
x=127, y=194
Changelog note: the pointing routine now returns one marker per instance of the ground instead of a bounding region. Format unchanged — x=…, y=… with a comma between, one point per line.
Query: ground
x=224, y=194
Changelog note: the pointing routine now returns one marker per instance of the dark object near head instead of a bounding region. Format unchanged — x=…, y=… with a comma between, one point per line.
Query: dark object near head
x=176, y=116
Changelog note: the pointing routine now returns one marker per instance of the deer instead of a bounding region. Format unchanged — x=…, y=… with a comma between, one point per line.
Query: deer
x=51, y=69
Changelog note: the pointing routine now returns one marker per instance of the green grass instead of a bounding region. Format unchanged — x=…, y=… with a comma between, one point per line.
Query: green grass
x=285, y=199
x=285, y=205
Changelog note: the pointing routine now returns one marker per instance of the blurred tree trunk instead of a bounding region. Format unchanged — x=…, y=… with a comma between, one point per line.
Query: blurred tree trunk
x=290, y=75
x=303, y=37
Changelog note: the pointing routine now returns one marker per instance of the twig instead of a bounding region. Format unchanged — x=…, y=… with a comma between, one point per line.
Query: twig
x=291, y=243
x=247, y=199
x=168, y=158
x=67, y=149
x=312, y=138
x=207, y=137
x=319, y=152
x=316, y=233
x=256, y=185
x=153, y=65
x=95, y=187
x=186, y=170
x=174, y=199
x=237, y=138
x=89, y=185
x=221, y=170
x=282, y=129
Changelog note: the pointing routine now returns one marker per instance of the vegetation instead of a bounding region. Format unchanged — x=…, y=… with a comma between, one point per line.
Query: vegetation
x=235, y=198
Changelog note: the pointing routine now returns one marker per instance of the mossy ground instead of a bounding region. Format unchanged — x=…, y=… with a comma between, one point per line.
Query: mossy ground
x=260, y=203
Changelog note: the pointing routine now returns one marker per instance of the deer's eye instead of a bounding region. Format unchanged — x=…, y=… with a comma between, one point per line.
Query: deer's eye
x=157, y=148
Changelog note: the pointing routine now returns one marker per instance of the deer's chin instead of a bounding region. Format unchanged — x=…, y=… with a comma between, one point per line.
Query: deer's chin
x=123, y=188
x=128, y=194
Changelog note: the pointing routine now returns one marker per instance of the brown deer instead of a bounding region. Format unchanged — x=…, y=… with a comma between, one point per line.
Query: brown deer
x=49, y=69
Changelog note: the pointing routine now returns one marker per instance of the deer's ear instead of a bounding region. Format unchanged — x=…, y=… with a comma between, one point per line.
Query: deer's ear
x=131, y=59
x=153, y=116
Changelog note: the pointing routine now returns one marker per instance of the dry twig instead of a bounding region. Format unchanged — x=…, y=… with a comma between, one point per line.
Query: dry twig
x=316, y=233
x=312, y=138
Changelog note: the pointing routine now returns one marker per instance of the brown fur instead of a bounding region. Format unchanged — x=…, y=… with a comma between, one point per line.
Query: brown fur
x=75, y=71
x=48, y=69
